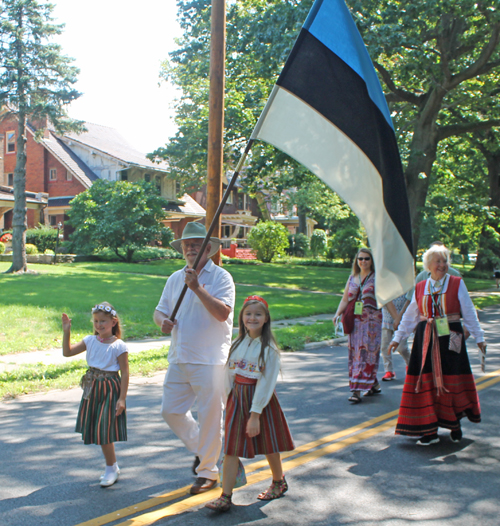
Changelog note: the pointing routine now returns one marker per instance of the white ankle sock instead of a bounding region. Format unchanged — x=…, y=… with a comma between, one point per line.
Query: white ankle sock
x=110, y=470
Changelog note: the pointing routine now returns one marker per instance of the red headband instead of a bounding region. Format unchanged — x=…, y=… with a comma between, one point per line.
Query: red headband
x=257, y=298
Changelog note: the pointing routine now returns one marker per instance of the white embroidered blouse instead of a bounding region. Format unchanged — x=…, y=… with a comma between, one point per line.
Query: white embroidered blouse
x=244, y=361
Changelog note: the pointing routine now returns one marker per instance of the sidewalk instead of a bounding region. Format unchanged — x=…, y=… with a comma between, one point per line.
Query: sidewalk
x=55, y=356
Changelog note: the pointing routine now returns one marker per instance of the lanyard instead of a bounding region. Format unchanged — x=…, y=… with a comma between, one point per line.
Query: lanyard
x=436, y=298
x=362, y=286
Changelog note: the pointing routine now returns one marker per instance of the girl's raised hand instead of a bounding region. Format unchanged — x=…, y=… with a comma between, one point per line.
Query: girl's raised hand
x=66, y=322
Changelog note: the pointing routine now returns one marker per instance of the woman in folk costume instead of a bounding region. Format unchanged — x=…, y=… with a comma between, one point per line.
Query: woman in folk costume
x=439, y=387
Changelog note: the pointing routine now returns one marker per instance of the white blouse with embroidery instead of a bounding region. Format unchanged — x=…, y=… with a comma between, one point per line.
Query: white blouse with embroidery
x=411, y=317
x=244, y=361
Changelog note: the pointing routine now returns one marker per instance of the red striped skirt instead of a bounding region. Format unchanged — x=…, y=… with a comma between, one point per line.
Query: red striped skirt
x=423, y=412
x=274, y=436
x=97, y=420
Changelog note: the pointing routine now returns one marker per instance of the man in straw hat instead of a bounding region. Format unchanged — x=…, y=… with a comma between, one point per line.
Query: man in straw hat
x=201, y=338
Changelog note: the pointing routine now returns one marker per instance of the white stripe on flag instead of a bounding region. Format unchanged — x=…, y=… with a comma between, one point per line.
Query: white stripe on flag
x=300, y=131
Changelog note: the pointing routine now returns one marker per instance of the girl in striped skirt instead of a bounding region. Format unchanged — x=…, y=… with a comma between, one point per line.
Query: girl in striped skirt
x=255, y=423
x=102, y=418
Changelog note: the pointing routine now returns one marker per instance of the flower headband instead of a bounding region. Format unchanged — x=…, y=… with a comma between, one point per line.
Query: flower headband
x=257, y=298
x=104, y=308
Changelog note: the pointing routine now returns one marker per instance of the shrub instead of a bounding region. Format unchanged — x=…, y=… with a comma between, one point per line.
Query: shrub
x=345, y=243
x=269, y=239
x=2, y=248
x=43, y=237
x=299, y=245
x=31, y=249
x=120, y=215
x=167, y=237
x=318, y=242
x=4, y=238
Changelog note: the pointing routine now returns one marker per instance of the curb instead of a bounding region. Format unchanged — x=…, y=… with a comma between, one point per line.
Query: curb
x=326, y=343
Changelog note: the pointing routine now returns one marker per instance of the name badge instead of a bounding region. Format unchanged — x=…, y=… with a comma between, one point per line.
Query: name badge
x=358, y=308
x=443, y=329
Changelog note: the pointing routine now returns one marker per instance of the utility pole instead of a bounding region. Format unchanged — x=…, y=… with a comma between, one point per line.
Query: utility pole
x=216, y=115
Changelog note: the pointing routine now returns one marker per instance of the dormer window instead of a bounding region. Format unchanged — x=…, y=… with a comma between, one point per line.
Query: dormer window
x=11, y=142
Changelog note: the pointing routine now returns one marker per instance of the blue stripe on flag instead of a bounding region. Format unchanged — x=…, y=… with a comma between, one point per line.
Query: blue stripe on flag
x=332, y=24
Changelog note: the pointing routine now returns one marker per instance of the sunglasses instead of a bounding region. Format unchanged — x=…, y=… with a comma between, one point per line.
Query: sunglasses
x=364, y=259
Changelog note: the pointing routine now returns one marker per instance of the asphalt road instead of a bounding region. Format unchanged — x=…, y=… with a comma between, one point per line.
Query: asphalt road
x=350, y=468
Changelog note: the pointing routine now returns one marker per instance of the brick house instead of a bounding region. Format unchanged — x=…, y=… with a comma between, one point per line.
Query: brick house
x=59, y=167
x=63, y=166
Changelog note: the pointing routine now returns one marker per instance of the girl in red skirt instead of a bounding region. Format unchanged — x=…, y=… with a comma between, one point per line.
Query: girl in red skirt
x=255, y=423
x=101, y=418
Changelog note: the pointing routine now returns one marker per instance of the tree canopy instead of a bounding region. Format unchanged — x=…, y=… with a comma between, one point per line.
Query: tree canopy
x=120, y=215
x=439, y=64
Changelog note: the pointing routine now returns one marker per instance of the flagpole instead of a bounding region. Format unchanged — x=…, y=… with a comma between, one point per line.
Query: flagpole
x=214, y=222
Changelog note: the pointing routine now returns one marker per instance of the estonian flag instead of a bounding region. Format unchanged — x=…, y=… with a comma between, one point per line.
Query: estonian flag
x=328, y=112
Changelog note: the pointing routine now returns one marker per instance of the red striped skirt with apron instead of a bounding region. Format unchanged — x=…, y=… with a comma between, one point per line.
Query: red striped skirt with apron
x=274, y=436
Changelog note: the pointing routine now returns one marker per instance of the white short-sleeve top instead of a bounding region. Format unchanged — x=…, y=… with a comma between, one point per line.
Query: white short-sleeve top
x=198, y=337
x=104, y=356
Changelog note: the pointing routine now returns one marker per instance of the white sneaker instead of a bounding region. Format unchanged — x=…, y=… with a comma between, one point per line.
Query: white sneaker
x=102, y=476
x=110, y=479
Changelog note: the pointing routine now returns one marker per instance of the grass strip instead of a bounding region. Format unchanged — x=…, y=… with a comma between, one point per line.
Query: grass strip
x=35, y=378
x=295, y=337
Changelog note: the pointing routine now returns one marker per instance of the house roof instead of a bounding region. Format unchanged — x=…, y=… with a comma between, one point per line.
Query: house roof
x=190, y=207
x=33, y=199
x=60, y=201
x=109, y=142
x=69, y=159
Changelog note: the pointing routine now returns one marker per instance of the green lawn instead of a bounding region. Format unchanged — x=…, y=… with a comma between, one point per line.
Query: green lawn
x=290, y=276
x=31, y=304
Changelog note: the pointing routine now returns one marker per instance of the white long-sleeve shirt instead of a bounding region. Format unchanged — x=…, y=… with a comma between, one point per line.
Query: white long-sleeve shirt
x=411, y=316
x=244, y=361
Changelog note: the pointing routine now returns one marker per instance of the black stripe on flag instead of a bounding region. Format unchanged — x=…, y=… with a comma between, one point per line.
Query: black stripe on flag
x=321, y=79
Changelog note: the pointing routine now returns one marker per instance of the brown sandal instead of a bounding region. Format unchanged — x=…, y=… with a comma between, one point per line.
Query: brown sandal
x=355, y=398
x=223, y=503
x=276, y=490
x=374, y=390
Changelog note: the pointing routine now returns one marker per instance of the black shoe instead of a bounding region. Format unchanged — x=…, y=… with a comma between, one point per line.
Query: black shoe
x=196, y=463
x=456, y=435
x=202, y=484
x=427, y=440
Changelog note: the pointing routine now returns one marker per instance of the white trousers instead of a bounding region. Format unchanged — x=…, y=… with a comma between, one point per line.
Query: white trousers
x=185, y=383
x=402, y=348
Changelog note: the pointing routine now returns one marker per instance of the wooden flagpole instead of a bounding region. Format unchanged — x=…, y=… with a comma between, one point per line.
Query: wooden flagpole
x=214, y=222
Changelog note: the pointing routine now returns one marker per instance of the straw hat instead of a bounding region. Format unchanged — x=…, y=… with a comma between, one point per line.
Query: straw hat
x=196, y=231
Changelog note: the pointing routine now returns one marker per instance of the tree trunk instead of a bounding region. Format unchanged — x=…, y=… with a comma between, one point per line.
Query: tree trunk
x=489, y=244
x=19, y=219
x=302, y=221
x=423, y=150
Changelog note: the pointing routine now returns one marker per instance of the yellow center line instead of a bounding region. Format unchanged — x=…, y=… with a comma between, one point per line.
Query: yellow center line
x=197, y=500
x=488, y=379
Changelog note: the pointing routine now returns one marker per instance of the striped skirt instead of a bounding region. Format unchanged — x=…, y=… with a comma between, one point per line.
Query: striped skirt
x=274, y=435
x=96, y=419
x=423, y=412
